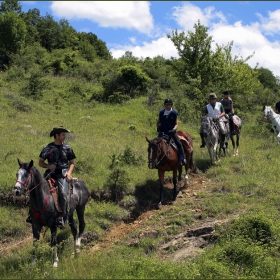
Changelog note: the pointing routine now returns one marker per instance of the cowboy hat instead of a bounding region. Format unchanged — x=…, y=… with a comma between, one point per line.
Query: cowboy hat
x=213, y=96
x=57, y=130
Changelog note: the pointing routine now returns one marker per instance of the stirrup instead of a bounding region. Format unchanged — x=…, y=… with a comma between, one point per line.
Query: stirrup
x=183, y=162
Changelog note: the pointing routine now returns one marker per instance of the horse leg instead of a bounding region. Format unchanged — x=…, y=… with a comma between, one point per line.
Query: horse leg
x=36, y=230
x=74, y=231
x=237, y=143
x=180, y=169
x=80, y=213
x=175, y=191
x=161, y=182
x=233, y=144
x=53, y=245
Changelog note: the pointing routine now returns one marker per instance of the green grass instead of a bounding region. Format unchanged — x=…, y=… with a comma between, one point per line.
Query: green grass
x=246, y=185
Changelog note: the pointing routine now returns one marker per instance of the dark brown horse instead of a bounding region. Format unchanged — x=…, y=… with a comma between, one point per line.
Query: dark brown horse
x=163, y=155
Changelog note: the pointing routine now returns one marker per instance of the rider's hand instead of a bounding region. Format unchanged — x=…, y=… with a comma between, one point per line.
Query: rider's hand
x=52, y=166
x=68, y=177
x=172, y=131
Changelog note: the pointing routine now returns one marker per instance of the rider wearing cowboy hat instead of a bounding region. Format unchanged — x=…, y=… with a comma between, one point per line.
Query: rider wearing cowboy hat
x=60, y=165
x=167, y=123
x=216, y=111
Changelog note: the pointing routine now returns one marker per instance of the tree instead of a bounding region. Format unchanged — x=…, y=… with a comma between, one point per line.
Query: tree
x=12, y=33
x=10, y=6
x=267, y=78
x=194, y=50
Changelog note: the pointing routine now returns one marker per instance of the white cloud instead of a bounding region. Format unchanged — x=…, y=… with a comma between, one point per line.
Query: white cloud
x=271, y=24
x=161, y=47
x=188, y=14
x=116, y=14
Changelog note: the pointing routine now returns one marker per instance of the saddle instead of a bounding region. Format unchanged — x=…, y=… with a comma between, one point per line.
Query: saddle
x=53, y=191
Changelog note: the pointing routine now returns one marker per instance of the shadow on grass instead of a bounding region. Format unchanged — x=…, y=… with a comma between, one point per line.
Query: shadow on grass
x=147, y=196
x=203, y=164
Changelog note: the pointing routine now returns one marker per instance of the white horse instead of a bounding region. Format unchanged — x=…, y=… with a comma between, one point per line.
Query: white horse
x=212, y=138
x=275, y=119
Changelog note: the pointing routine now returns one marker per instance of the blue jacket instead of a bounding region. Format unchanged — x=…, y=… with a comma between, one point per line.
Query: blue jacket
x=167, y=122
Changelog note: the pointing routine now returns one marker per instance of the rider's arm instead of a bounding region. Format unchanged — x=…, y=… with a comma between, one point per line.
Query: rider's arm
x=231, y=107
x=222, y=112
x=176, y=124
x=68, y=175
x=45, y=165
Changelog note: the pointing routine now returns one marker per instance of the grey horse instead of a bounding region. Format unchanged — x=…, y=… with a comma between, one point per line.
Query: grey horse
x=42, y=207
x=212, y=138
x=237, y=122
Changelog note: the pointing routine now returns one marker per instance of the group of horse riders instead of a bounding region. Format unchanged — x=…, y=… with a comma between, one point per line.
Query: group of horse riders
x=60, y=156
x=167, y=122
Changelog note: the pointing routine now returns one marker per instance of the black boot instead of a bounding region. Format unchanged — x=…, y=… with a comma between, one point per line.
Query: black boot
x=29, y=220
x=223, y=141
x=202, y=141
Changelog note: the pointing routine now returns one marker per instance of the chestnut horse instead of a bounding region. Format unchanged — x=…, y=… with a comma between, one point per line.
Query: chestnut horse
x=163, y=155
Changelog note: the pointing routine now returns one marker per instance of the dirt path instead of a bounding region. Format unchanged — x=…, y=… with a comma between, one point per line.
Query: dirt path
x=120, y=231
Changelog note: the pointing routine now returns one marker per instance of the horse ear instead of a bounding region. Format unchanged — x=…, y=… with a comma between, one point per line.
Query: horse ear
x=148, y=140
x=19, y=162
x=30, y=164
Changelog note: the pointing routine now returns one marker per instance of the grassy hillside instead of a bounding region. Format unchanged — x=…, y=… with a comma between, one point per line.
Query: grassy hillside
x=247, y=186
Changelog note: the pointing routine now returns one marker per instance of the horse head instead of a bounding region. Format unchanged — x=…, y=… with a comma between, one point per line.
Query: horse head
x=267, y=112
x=23, y=175
x=152, y=152
x=206, y=124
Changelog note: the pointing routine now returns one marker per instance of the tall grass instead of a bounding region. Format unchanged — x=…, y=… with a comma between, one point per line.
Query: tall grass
x=246, y=185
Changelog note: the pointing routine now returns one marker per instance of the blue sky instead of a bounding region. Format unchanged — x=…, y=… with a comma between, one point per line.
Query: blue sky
x=141, y=26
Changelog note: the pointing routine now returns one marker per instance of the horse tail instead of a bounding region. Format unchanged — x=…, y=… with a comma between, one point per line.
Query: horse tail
x=192, y=164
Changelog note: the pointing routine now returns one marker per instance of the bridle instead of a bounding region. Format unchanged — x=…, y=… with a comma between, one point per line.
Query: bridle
x=26, y=183
x=159, y=151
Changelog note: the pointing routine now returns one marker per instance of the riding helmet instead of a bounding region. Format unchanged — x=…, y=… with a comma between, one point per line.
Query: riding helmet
x=168, y=101
x=213, y=96
x=226, y=92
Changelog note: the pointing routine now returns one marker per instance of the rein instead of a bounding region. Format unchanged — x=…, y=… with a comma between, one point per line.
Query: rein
x=159, y=151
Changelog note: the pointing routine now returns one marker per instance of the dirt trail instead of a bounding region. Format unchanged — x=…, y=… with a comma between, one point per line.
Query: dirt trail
x=120, y=231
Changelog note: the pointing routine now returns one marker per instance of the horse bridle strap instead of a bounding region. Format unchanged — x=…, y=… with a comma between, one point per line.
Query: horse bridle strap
x=38, y=214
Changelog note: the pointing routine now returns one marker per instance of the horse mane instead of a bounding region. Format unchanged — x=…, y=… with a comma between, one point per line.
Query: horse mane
x=37, y=174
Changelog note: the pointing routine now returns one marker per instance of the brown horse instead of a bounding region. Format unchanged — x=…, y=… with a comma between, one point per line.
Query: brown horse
x=163, y=155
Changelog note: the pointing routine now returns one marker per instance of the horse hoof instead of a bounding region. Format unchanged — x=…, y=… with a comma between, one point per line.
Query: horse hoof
x=159, y=206
x=55, y=264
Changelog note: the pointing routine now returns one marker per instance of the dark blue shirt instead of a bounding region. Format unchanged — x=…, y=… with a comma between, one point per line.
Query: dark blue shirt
x=59, y=154
x=167, y=122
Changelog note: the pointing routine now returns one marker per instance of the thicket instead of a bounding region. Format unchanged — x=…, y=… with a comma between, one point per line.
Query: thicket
x=35, y=48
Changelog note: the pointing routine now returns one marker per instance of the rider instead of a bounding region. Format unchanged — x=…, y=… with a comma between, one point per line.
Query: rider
x=277, y=107
x=167, y=123
x=60, y=157
x=228, y=106
x=216, y=111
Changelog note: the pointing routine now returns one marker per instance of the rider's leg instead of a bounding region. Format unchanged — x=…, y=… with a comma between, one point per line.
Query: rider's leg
x=223, y=131
x=62, y=194
x=202, y=138
x=180, y=148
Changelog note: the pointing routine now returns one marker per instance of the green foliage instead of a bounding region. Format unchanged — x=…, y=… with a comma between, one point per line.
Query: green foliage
x=117, y=184
x=129, y=82
x=12, y=33
x=36, y=83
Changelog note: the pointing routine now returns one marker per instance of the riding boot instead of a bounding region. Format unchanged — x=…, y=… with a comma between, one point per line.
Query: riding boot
x=29, y=220
x=202, y=141
x=62, y=219
x=231, y=126
x=181, y=151
x=223, y=141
